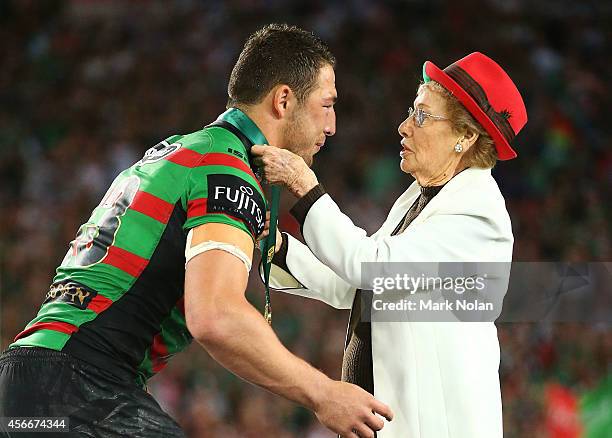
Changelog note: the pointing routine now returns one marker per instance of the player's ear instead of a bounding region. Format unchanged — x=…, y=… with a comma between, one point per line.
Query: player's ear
x=282, y=100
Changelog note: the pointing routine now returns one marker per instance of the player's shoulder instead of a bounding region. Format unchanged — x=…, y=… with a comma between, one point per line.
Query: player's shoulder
x=199, y=141
x=225, y=142
x=217, y=141
x=224, y=177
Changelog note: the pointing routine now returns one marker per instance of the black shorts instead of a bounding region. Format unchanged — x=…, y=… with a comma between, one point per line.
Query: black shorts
x=38, y=382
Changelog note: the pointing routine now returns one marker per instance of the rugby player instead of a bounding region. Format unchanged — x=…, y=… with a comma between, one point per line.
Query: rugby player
x=165, y=257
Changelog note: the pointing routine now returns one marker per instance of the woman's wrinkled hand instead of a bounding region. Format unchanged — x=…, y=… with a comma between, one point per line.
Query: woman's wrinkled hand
x=283, y=167
x=266, y=232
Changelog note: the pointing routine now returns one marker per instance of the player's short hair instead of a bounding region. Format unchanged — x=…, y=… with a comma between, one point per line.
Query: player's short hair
x=277, y=54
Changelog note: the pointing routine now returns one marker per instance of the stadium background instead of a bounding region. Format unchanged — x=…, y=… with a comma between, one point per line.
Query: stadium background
x=88, y=85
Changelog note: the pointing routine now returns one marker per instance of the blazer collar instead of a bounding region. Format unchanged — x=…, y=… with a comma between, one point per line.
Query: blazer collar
x=447, y=194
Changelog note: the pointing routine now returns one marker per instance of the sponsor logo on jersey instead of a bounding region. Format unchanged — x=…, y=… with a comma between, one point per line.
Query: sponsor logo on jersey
x=158, y=152
x=72, y=293
x=234, y=196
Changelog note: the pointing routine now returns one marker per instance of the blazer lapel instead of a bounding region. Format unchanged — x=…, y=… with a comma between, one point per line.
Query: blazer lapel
x=451, y=193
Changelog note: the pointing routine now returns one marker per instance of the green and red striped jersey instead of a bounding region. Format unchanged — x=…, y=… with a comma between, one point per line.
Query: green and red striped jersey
x=117, y=298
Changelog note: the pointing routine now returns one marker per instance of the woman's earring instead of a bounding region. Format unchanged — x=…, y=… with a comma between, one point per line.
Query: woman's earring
x=458, y=148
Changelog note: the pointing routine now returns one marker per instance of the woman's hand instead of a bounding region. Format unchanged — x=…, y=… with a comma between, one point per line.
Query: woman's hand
x=280, y=166
x=266, y=232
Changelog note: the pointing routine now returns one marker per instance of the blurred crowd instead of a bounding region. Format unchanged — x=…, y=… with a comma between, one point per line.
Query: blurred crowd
x=88, y=85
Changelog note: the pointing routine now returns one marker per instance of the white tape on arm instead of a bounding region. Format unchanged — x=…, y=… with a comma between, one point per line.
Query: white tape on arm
x=191, y=252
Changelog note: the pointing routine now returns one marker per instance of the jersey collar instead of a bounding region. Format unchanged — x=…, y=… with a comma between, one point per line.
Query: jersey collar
x=241, y=121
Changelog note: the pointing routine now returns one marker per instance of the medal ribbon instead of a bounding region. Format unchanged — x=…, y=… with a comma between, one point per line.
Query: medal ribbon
x=268, y=248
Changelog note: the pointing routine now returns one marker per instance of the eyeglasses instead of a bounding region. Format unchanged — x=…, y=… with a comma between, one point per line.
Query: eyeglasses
x=420, y=116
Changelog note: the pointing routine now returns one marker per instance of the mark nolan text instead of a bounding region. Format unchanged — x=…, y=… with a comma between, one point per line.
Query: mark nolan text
x=431, y=305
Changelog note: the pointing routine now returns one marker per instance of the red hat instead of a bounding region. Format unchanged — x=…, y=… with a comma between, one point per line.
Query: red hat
x=488, y=93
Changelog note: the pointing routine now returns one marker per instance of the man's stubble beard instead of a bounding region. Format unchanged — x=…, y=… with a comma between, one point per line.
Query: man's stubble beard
x=294, y=137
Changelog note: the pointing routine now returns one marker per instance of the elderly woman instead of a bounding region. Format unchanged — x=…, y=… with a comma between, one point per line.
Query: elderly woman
x=440, y=378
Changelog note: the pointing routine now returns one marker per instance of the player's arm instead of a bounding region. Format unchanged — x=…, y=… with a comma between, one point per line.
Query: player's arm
x=236, y=335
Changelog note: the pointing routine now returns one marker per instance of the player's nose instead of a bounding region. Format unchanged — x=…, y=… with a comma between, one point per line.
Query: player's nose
x=330, y=128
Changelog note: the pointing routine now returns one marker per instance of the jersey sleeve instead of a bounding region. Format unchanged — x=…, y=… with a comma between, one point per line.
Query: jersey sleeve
x=223, y=189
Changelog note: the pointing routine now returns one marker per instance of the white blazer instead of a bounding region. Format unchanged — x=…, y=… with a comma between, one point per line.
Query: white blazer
x=440, y=378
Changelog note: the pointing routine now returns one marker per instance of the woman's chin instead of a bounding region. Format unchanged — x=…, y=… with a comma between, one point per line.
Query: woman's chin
x=405, y=166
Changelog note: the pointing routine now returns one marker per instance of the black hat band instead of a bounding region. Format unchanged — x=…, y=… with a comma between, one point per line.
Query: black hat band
x=465, y=81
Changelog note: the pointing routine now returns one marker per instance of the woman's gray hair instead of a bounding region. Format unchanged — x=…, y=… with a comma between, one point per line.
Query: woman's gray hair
x=482, y=154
